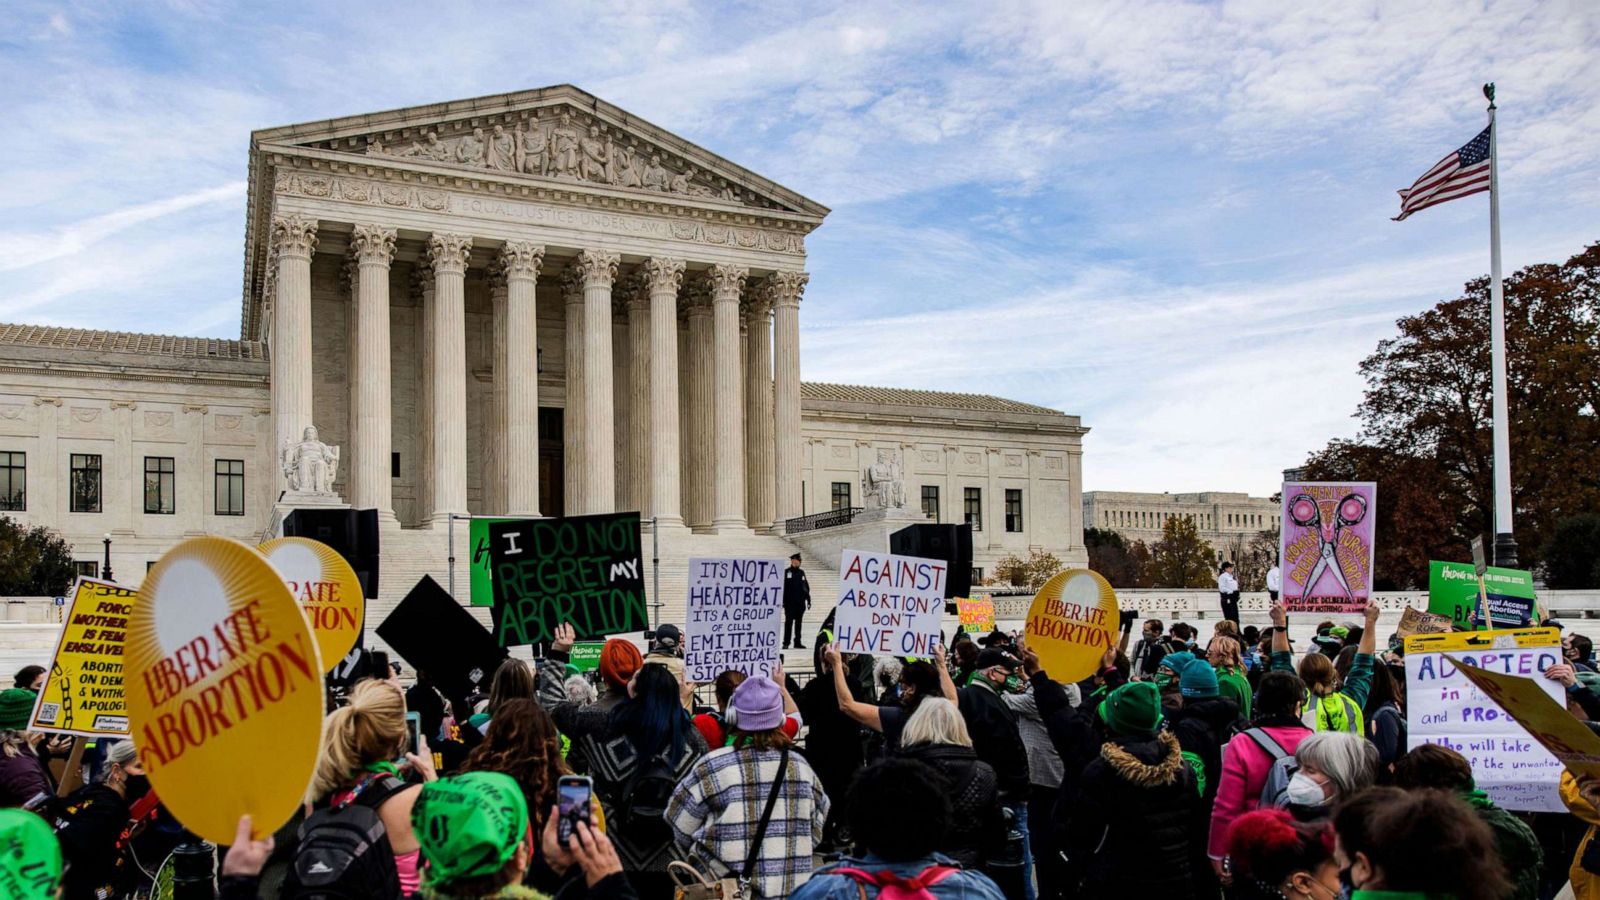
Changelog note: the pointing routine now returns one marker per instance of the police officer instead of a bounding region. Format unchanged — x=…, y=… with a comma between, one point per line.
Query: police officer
x=796, y=600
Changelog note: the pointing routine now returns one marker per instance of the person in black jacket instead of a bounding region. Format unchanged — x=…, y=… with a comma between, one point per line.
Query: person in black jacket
x=796, y=600
x=1076, y=732
x=995, y=737
x=1203, y=725
x=937, y=736
x=1130, y=831
x=833, y=739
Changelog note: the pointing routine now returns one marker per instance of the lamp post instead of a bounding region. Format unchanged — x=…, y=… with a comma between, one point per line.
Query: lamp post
x=105, y=570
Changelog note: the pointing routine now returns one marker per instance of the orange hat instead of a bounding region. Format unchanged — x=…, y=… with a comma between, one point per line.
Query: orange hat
x=619, y=659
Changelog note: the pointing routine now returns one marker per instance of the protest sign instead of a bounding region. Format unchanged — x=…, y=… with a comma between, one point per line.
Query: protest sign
x=977, y=614
x=1527, y=701
x=230, y=682
x=1453, y=592
x=1326, y=545
x=1445, y=707
x=735, y=608
x=585, y=570
x=889, y=605
x=83, y=694
x=437, y=635
x=325, y=586
x=1414, y=621
x=480, y=573
x=585, y=655
x=1072, y=622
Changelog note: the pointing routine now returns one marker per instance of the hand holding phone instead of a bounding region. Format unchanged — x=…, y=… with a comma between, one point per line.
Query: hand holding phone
x=413, y=735
x=574, y=796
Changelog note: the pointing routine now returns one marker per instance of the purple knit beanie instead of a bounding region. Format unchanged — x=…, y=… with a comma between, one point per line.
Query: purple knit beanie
x=758, y=704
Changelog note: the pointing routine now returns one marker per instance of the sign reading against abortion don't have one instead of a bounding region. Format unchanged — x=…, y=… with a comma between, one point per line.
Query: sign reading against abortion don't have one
x=889, y=605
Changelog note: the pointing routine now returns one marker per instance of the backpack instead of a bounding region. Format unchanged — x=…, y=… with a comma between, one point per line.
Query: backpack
x=1275, y=790
x=640, y=802
x=344, y=851
x=895, y=887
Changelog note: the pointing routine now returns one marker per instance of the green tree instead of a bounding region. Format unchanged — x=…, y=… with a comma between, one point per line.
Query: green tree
x=1181, y=559
x=1122, y=563
x=1030, y=572
x=1572, y=557
x=34, y=562
x=1425, y=419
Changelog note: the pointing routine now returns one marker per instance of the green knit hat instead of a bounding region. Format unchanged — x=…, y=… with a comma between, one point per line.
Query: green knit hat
x=469, y=825
x=16, y=705
x=1133, y=709
x=30, y=857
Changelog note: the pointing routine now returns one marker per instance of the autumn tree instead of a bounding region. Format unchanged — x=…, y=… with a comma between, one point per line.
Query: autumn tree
x=1181, y=559
x=1426, y=419
x=1572, y=557
x=34, y=562
x=1029, y=572
x=1121, y=562
x=1251, y=555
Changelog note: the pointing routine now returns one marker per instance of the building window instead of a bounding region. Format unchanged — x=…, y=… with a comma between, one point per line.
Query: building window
x=1013, y=509
x=160, y=488
x=87, y=568
x=13, y=481
x=972, y=507
x=394, y=465
x=930, y=501
x=841, y=495
x=977, y=575
x=86, y=483
x=229, y=497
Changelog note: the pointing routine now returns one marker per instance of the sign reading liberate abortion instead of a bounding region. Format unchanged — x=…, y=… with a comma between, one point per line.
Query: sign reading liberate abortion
x=326, y=587
x=1326, y=545
x=735, y=607
x=1072, y=622
x=229, y=681
x=585, y=570
x=889, y=605
x=83, y=693
x=1445, y=707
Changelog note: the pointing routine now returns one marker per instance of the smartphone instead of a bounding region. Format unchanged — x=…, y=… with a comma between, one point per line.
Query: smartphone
x=1127, y=624
x=574, y=794
x=413, y=733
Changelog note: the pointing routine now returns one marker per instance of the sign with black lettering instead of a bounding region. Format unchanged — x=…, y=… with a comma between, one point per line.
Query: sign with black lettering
x=585, y=570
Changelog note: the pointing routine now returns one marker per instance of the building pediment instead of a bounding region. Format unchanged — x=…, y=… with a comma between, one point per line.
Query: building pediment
x=558, y=134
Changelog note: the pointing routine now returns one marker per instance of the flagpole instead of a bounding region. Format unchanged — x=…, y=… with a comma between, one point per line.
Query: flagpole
x=1505, y=545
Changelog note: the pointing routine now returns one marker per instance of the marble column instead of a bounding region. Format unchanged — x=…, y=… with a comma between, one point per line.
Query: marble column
x=762, y=501
x=371, y=485
x=685, y=358
x=572, y=433
x=639, y=432
x=785, y=290
x=727, y=506
x=423, y=284
x=662, y=476
x=519, y=385
x=599, y=270
x=294, y=239
x=621, y=402
x=699, y=446
x=449, y=253
x=494, y=429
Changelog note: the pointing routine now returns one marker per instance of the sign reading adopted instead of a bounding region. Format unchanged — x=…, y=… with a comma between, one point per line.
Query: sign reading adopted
x=889, y=605
x=1445, y=707
x=326, y=587
x=83, y=694
x=1525, y=700
x=585, y=570
x=1327, y=545
x=1072, y=622
x=229, y=681
x=735, y=607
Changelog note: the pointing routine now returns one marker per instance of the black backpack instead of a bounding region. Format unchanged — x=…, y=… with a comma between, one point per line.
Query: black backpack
x=641, y=802
x=344, y=853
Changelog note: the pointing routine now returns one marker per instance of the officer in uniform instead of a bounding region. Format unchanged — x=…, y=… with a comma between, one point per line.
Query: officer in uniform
x=796, y=600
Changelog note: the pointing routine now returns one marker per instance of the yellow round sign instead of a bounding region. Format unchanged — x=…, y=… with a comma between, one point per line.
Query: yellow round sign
x=1071, y=624
x=225, y=688
x=325, y=586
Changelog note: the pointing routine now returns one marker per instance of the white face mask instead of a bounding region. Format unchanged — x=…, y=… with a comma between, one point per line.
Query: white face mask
x=1305, y=791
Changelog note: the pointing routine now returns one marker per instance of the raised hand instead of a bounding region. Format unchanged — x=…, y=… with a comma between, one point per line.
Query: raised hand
x=565, y=637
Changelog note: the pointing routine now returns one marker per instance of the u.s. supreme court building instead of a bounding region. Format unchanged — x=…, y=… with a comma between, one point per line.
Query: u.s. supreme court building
x=526, y=304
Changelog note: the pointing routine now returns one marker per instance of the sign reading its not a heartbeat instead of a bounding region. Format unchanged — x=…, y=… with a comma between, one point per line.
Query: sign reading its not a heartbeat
x=585, y=570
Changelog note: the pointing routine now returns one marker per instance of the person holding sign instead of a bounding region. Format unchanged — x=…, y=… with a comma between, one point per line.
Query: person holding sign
x=95, y=816
x=22, y=773
x=1332, y=705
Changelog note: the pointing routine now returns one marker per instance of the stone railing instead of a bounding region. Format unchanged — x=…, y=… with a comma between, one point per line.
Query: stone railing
x=1011, y=604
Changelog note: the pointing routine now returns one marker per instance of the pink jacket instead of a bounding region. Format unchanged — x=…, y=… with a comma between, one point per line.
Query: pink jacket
x=1244, y=774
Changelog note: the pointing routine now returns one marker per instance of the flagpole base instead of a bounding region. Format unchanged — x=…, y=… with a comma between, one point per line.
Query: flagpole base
x=1505, y=551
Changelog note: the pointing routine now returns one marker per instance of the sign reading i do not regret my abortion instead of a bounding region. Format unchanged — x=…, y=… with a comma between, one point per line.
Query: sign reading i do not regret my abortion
x=889, y=605
x=585, y=570
x=734, y=611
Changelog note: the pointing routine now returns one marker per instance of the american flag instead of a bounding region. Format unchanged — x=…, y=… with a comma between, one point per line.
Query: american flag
x=1463, y=172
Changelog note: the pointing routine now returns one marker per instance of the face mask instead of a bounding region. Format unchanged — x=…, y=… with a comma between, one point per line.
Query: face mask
x=1304, y=790
x=1164, y=680
x=1015, y=685
x=1347, y=887
x=135, y=788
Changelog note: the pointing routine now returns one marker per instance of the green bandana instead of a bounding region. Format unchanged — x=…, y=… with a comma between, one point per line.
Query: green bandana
x=469, y=825
x=30, y=857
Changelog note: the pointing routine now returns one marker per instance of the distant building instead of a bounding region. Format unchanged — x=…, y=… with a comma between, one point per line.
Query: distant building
x=1222, y=518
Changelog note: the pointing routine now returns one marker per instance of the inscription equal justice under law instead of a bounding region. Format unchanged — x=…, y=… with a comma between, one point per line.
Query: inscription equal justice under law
x=554, y=215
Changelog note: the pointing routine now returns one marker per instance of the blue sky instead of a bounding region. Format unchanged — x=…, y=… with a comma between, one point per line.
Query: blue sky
x=1169, y=218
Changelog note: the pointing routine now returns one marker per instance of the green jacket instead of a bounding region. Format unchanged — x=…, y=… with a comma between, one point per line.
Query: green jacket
x=1234, y=686
x=1514, y=842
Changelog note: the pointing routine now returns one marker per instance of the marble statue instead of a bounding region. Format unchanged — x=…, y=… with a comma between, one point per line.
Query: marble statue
x=883, y=484
x=595, y=163
x=502, y=150
x=532, y=151
x=564, y=149
x=310, y=465
x=655, y=175
x=469, y=149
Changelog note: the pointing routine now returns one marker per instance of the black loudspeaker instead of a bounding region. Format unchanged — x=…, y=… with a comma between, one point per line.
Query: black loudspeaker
x=352, y=533
x=951, y=543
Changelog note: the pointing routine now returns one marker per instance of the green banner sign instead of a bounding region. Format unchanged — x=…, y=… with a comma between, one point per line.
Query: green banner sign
x=482, y=578
x=586, y=655
x=1453, y=592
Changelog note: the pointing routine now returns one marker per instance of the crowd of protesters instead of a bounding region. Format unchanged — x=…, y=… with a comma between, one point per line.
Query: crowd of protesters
x=1189, y=766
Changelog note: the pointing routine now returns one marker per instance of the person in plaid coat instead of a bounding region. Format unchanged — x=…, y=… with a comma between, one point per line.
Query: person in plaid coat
x=716, y=808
